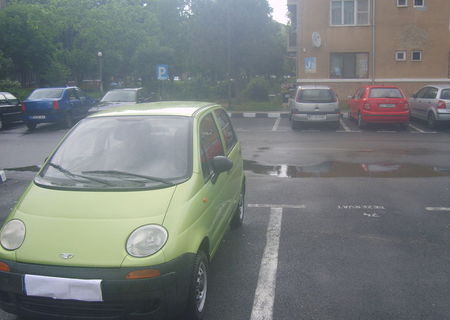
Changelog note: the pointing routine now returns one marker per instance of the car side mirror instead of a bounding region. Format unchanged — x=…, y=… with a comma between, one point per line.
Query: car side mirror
x=221, y=164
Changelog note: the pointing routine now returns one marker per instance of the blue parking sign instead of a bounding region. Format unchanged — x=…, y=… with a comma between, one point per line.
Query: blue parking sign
x=162, y=72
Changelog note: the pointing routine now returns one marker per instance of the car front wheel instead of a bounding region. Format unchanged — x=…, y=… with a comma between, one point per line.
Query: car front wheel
x=239, y=214
x=199, y=286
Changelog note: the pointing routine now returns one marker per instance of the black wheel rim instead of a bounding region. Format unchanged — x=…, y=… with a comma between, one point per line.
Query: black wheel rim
x=201, y=286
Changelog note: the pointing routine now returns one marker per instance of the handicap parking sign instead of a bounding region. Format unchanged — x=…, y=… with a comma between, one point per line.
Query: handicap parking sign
x=162, y=72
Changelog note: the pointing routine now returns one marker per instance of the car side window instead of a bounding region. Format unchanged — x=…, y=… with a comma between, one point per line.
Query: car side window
x=72, y=95
x=431, y=93
x=3, y=99
x=445, y=94
x=210, y=144
x=226, y=128
x=422, y=92
x=80, y=94
x=10, y=98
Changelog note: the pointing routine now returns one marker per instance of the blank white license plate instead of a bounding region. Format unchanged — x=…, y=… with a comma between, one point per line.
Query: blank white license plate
x=63, y=288
x=317, y=117
x=387, y=105
x=37, y=117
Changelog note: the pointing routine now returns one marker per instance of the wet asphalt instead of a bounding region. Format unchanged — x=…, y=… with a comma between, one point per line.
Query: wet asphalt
x=364, y=220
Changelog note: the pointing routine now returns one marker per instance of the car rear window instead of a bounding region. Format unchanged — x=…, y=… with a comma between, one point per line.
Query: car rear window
x=445, y=94
x=316, y=95
x=385, y=93
x=46, y=94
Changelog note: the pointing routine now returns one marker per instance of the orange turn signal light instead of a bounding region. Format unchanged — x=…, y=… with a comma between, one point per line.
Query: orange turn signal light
x=4, y=267
x=143, y=274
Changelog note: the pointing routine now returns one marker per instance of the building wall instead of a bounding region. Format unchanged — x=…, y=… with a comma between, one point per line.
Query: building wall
x=407, y=29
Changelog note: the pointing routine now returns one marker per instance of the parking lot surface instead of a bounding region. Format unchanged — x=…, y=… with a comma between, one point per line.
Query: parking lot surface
x=340, y=224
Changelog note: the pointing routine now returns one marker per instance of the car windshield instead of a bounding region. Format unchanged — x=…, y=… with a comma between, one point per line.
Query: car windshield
x=445, y=94
x=120, y=96
x=130, y=152
x=46, y=94
x=385, y=93
x=316, y=95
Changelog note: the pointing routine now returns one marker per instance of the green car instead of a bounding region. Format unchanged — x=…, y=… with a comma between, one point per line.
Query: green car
x=125, y=215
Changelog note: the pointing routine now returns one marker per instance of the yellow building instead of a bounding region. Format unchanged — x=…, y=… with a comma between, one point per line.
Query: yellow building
x=345, y=43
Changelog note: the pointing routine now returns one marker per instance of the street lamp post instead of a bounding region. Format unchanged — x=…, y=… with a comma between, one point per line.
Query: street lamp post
x=100, y=72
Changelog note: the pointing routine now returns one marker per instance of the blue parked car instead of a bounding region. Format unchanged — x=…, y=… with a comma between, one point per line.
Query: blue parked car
x=62, y=105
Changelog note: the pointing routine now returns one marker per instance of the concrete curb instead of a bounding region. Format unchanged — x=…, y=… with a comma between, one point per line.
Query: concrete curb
x=2, y=176
x=259, y=114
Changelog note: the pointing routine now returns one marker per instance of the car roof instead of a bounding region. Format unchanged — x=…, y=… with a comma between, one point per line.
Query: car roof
x=439, y=86
x=126, y=89
x=63, y=88
x=370, y=86
x=162, y=108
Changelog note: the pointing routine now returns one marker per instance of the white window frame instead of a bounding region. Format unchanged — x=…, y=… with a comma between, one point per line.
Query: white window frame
x=402, y=5
x=421, y=55
x=355, y=14
x=417, y=5
x=404, y=55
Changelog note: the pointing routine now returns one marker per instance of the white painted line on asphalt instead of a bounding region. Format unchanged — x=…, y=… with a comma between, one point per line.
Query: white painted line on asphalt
x=249, y=114
x=415, y=128
x=437, y=209
x=2, y=176
x=286, y=206
x=346, y=128
x=277, y=123
x=265, y=289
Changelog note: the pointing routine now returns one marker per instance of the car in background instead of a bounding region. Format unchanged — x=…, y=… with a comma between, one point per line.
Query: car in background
x=379, y=104
x=63, y=105
x=10, y=109
x=125, y=216
x=314, y=104
x=124, y=96
x=432, y=104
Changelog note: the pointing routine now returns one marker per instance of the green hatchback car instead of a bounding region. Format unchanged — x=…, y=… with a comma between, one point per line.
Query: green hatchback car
x=124, y=217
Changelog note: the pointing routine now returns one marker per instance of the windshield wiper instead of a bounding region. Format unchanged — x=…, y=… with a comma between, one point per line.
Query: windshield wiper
x=123, y=173
x=74, y=175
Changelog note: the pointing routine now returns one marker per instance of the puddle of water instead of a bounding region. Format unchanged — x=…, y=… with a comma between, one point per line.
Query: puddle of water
x=24, y=169
x=337, y=169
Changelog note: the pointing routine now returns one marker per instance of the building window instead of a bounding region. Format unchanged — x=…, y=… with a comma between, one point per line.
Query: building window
x=349, y=65
x=419, y=3
x=402, y=3
x=400, y=56
x=349, y=12
x=416, y=55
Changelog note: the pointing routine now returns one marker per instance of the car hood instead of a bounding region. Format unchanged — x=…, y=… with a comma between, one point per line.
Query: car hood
x=107, y=105
x=92, y=227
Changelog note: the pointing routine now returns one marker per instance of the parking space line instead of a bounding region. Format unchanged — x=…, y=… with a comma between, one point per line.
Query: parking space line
x=346, y=128
x=283, y=206
x=437, y=209
x=265, y=289
x=415, y=128
x=275, y=126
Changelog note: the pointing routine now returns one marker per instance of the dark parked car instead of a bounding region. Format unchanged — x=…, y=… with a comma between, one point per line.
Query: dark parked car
x=124, y=96
x=10, y=109
x=62, y=105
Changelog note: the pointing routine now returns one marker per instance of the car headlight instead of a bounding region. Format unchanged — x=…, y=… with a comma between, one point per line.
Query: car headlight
x=12, y=235
x=146, y=240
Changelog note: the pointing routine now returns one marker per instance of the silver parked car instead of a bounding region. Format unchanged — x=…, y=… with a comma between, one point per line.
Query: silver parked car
x=431, y=103
x=318, y=104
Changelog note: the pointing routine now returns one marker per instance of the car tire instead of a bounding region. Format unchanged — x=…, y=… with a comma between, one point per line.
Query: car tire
x=31, y=125
x=431, y=121
x=361, y=123
x=67, y=121
x=195, y=309
x=239, y=213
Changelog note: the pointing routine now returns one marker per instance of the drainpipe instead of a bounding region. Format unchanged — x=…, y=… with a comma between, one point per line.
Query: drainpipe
x=374, y=49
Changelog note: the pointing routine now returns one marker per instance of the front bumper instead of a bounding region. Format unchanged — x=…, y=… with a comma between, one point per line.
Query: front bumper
x=122, y=298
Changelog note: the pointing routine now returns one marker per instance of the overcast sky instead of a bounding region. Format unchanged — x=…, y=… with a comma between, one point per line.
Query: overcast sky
x=279, y=10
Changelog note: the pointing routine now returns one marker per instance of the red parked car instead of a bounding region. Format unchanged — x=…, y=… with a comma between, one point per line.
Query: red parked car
x=379, y=104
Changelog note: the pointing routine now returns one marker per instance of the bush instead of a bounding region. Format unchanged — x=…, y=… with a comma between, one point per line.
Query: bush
x=257, y=89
